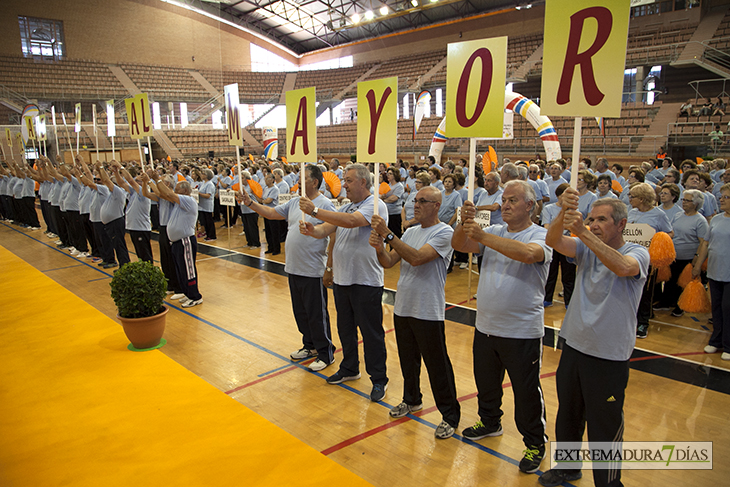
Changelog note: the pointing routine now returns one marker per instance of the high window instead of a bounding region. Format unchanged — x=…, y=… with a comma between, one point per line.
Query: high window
x=42, y=39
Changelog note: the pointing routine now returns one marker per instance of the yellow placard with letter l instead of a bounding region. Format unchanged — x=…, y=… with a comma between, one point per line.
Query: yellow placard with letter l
x=9, y=137
x=138, y=116
x=475, y=81
x=377, y=120
x=30, y=125
x=233, y=115
x=584, y=56
x=301, y=125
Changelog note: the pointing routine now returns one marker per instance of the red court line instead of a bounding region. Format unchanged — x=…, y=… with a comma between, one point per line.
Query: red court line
x=391, y=424
x=283, y=371
x=455, y=305
x=652, y=357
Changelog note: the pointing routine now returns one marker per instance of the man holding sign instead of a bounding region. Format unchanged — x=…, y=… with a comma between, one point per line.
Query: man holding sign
x=598, y=329
x=306, y=264
x=510, y=321
x=418, y=314
x=358, y=279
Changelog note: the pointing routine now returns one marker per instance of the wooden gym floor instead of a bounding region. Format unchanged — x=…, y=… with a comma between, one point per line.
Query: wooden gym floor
x=239, y=340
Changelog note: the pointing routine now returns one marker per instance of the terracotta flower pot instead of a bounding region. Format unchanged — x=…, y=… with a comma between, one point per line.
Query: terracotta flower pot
x=145, y=332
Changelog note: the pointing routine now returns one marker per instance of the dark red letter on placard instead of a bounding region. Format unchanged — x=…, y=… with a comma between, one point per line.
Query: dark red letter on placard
x=133, y=122
x=573, y=58
x=300, y=132
x=487, y=68
x=234, y=127
x=375, y=115
x=145, y=124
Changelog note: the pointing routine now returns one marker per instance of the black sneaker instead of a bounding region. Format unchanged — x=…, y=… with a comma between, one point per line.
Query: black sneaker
x=554, y=477
x=532, y=458
x=479, y=431
x=339, y=378
x=378, y=392
x=642, y=331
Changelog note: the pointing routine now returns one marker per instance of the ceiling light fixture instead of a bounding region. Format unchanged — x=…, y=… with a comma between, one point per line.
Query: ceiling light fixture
x=369, y=15
x=355, y=18
x=384, y=10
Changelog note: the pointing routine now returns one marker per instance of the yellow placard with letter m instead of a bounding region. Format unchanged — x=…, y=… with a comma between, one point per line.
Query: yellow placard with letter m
x=475, y=76
x=584, y=56
x=138, y=116
x=301, y=125
x=377, y=120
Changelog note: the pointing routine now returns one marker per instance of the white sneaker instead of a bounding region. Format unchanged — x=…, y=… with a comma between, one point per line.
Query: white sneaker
x=474, y=259
x=190, y=303
x=711, y=349
x=177, y=297
x=73, y=251
x=463, y=265
x=242, y=234
x=183, y=298
x=318, y=365
x=58, y=242
x=725, y=356
x=82, y=255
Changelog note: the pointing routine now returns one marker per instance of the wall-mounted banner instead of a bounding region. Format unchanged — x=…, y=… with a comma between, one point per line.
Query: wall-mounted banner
x=377, y=120
x=77, y=118
x=584, y=56
x=233, y=115
x=301, y=125
x=475, y=81
x=111, y=126
x=271, y=143
x=138, y=116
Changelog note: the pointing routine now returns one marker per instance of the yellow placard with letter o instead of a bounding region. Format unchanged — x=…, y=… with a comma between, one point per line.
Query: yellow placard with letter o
x=475, y=81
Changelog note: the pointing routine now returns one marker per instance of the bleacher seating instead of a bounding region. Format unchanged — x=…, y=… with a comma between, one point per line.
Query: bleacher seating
x=330, y=82
x=166, y=83
x=253, y=87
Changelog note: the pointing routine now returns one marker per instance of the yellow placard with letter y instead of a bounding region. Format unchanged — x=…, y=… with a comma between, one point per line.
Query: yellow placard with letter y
x=584, y=56
x=377, y=120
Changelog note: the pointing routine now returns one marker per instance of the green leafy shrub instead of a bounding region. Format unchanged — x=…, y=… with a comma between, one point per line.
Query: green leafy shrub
x=138, y=289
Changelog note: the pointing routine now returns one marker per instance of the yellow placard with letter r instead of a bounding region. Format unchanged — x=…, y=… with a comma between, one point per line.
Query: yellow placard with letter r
x=584, y=56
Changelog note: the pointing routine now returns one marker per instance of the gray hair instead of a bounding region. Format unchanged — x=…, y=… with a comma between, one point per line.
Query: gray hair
x=697, y=197
x=185, y=187
x=278, y=171
x=208, y=174
x=523, y=172
x=511, y=170
x=530, y=195
x=619, y=210
x=495, y=175
x=245, y=174
x=361, y=172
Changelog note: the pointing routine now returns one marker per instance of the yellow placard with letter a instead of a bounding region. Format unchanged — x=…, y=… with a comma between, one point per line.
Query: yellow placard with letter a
x=475, y=77
x=30, y=125
x=301, y=125
x=138, y=116
x=377, y=120
x=584, y=56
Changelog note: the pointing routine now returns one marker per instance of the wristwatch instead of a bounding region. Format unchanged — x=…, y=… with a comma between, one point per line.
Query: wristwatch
x=328, y=269
x=389, y=238
x=315, y=211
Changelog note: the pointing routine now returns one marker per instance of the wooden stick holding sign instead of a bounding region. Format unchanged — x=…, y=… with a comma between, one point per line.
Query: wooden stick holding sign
x=55, y=128
x=376, y=193
x=470, y=197
x=149, y=148
x=141, y=159
x=577, y=129
x=68, y=137
x=302, y=191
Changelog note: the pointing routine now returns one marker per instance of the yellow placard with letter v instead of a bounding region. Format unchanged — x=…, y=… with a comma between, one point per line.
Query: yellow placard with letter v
x=138, y=116
x=301, y=125
x=377, y=120
x=475, y=76
x=584, y=56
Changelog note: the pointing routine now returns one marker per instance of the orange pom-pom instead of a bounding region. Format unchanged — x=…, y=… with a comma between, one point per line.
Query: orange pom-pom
x=685, y=277
x=661, y=250
x=663, y=274
x=694, y=298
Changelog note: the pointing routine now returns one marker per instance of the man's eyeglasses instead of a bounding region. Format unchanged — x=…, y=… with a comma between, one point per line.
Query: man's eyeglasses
x=423, y=201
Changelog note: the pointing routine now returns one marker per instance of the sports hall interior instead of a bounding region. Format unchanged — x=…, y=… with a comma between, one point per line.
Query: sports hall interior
x=222, y=403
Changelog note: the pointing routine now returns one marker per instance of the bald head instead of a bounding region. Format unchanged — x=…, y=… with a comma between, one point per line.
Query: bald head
x=426, y=206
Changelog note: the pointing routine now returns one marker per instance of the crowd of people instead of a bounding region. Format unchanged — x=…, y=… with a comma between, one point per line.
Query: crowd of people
x=335, y=236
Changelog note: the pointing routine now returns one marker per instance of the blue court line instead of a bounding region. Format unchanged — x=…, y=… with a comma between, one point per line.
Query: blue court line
x=704, y=327
x=99, y=279
x=694, y=318
x=59, y=268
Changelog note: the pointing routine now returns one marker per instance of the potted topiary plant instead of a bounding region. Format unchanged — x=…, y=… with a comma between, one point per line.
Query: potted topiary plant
x=138, y=290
